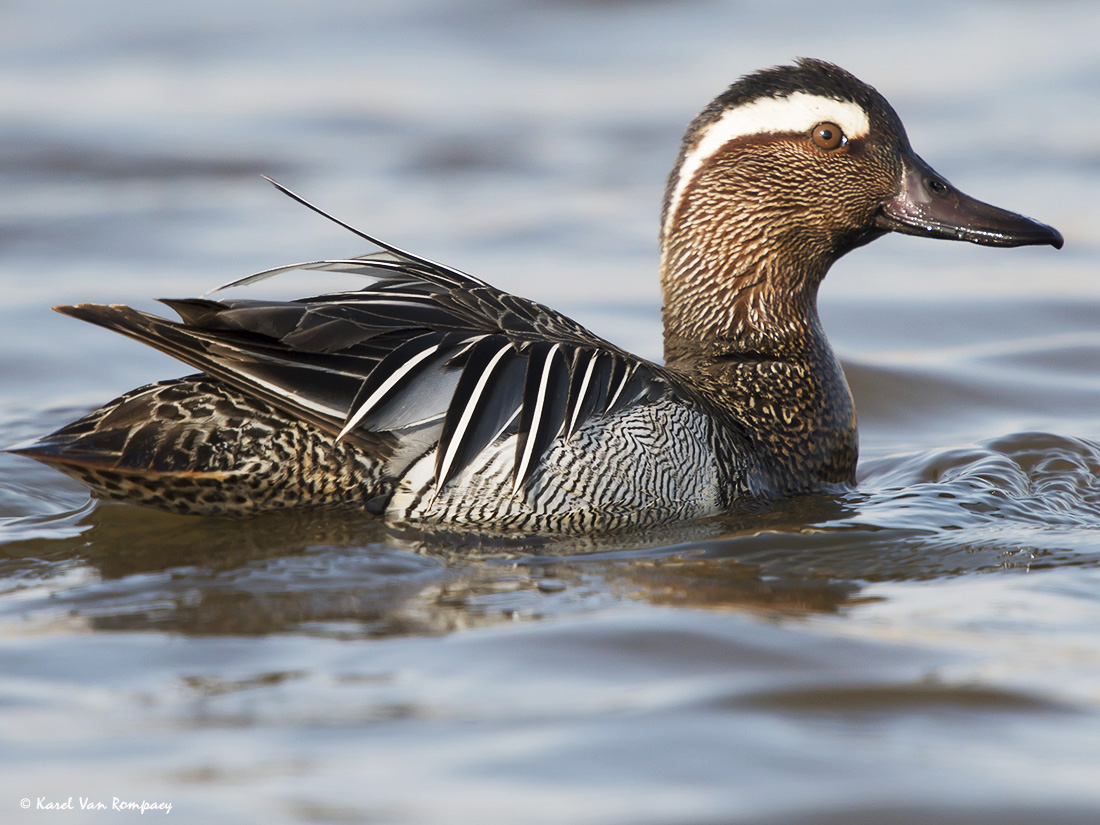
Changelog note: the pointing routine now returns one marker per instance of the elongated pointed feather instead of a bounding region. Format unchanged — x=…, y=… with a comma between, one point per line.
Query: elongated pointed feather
x=543, y=408
x=222, y=358
x=481, y=365
x=624, y=372
x=379, y=243
x=388, y=383
x=497, y=412
x=582, y=392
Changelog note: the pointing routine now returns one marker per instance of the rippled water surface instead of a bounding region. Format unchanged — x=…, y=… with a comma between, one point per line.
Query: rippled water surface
x=923, y=650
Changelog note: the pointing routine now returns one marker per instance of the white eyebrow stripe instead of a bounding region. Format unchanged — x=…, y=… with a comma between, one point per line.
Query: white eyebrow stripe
x=797, y=112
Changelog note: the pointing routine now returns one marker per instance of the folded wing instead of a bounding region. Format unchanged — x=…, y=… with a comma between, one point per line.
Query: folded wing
x=425, y=357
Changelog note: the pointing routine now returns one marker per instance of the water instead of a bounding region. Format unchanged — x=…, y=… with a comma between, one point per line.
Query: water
x=926, y=649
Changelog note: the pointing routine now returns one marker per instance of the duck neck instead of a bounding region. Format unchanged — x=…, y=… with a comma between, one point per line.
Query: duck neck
x=741, y=323
x=730, y=294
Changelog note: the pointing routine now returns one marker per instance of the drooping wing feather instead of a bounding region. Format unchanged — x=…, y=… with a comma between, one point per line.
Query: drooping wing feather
x=424, y=351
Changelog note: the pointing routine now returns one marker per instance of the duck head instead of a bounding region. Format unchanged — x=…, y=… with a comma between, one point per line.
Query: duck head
x=778, y=177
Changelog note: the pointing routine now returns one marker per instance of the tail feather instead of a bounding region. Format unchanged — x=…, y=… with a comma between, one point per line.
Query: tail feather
x=235, y=357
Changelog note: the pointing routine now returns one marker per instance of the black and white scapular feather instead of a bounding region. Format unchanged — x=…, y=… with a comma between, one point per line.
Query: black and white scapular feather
x=425, y=348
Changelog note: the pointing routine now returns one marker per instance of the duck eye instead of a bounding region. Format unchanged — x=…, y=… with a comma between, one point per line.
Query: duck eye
x=827, y=136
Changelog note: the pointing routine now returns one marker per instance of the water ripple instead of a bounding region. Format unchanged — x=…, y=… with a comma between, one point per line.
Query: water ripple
x=1025, y=478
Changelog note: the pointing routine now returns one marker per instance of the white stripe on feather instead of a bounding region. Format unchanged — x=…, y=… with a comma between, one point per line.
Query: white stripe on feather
x=295, y=399
x=467, y=413
x=627, y=375
x=386, y=386
x=540, y=403
x=583, y=391
x=421, y=422
x=342, y=266
x=355, y=299
x=466, y=345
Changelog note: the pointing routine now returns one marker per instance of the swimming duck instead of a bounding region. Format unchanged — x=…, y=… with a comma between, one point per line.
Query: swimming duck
x=430, y=396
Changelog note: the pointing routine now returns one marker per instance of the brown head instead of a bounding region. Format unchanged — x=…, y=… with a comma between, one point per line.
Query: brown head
x=778, y=177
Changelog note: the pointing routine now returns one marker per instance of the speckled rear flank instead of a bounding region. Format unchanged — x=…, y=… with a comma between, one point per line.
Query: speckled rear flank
x=195, y=446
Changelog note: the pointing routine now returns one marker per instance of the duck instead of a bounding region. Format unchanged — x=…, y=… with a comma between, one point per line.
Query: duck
x=430, y=397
